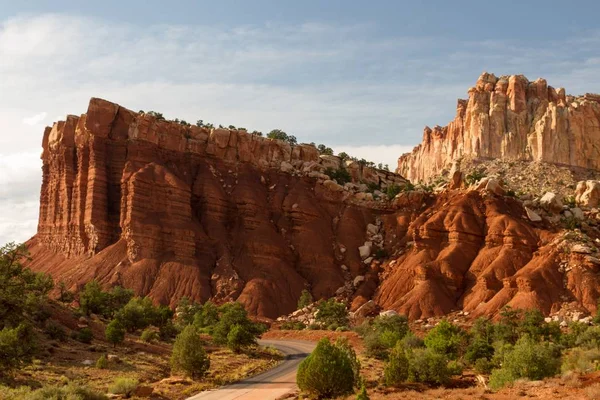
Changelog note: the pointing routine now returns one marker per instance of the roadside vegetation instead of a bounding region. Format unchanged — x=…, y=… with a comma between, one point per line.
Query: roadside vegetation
x=98, y=341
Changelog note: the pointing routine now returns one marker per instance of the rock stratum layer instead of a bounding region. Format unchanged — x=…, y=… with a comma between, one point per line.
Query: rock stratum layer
x=514, y=119
x=172, y=210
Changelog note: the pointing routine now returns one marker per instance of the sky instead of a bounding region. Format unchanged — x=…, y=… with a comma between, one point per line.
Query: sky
x=361, y=77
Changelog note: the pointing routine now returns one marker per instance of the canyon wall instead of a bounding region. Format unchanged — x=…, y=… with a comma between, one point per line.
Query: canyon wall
x=514, y=119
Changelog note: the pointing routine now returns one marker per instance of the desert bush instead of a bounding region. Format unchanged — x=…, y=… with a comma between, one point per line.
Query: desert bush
x=362, y=394
x=65, y=296
x=455, y=367
x=475, y=177
x=188, y=354
x=581, y=360
x=396, y=369
x=115, y=332
x=93, y=300
x=167, y=331
x=326, y=372
x=305, y=299
x=149, y=335
x=55, y=331
x=382, y=333
x=507, y=329
x=69, y=392
x=427, y=366
x=573, y=336
x=341, y=175
x=478, y=348
x=139, y=313
x=411, y=341
x=528, y=359
x=124, y=386
x=533, y=324
x=392, y=190
x=446, y=339
x=102, y=362
x=292, y=326
x=589, y=338
x=332, y=312
x=84, y=335
x=483, y=366
x=186, y=311
x=344, y=345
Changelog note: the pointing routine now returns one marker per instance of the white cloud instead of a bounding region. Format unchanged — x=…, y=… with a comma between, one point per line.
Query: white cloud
x=341, y=85
x=35, y=119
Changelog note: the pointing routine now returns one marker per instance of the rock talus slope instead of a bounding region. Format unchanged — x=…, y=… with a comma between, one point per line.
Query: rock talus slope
x=511, y=118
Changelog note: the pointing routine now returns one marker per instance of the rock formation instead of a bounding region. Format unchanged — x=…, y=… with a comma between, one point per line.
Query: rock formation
x=173, y=210
x=511, y=118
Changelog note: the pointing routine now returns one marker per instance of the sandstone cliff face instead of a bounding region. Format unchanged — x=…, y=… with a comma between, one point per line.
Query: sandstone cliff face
x=173, y=210
x=511, y=118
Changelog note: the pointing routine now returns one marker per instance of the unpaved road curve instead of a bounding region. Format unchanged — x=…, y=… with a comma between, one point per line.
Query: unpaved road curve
x=269, y=385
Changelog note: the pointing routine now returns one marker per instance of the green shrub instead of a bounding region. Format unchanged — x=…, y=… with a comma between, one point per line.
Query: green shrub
x=69, y=392
x=115, y=332
x=446, y=339
x=84, y=335
x=102, y=362
x=341, y=175
x=292, y=326
x=167, y=331
x=507, y=329
x=410, y=341
x=475, y=177
x=188, y=354
x=479, y=348
x=232, y=314
x=573, y=336
x=186, y=311
x=65, y=296
x=305, y=299
x=589, y=338
x=392, y=191
x=93, y=300
x=528, y=359
x=326, y=372
x=427, y=366
x=362, y=394
x=396, y=369
x=344, y=345
x=149, y=335
x=581, y=360
x=455, y=367
x=55, y=331
x=124, y=386
x=331, y=312
x=483, y=366
x=314, y=327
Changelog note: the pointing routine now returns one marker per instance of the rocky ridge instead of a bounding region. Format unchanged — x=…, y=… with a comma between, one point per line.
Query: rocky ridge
x=511, y=118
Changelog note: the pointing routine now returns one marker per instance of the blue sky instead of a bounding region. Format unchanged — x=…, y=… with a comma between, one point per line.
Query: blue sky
x=361, y=77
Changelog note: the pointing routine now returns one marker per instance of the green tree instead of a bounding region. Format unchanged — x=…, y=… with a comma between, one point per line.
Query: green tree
x=188, y=354
x=93, y=300
x=232, y=314
x=396, y=369
x=507, y=329
x=18, y=345
x=239, y=337
x=446, y=339
x=206, y=317
x=115, y=332
x=325, y=150
x=305, y=299
x=64, y=296
x=23, y=293
x=326, y=372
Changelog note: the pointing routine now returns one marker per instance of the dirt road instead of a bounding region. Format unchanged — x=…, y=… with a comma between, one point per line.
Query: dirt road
x=269, y=385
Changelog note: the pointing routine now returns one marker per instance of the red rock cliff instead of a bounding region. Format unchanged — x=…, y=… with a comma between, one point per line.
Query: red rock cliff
x=511, y=118
x=173, y=210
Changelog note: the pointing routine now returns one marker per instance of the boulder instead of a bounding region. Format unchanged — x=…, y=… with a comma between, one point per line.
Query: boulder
x=532, y=215
x=551, y=203
x=364, y=251
x=577, y=213
x=286, y=167
x=388, y=313
x=493, y=185
x=328, y=161
x=358, y=280
x=370, y=307
x=587, y=193
x=333, y=186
